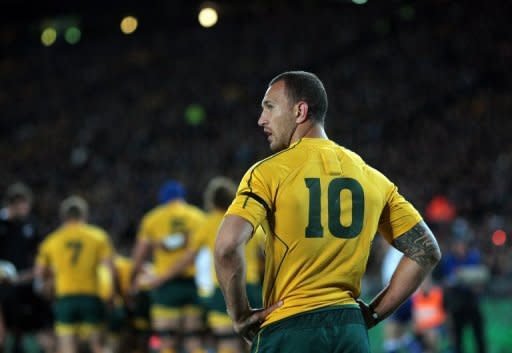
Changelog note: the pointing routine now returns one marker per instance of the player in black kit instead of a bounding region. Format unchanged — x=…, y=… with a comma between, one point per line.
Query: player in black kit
x=21, y=310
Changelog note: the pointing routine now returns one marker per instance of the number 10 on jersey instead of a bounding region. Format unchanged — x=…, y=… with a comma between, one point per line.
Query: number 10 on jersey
x=315, y=228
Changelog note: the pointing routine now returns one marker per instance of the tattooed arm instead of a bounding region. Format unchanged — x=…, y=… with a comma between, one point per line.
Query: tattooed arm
x=421, y=254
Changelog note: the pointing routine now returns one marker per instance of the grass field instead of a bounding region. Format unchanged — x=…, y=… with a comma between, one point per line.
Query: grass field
x=498, y=329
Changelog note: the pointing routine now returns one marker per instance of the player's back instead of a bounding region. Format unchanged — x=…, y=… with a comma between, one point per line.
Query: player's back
x=74, y=253
x=323, y=204
x=168, y=227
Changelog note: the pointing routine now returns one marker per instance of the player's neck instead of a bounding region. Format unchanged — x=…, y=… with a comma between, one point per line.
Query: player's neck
x=175, y=201
x=312, y=130
x=73, y=222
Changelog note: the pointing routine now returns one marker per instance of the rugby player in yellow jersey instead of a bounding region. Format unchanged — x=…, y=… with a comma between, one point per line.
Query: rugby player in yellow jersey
x=73, y=254
x=218, y=196
x=320, y=205
x=175, y=305
x=128, y=319
x=116, y=313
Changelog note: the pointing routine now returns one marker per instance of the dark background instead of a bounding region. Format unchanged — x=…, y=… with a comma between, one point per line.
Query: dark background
x=420, y=89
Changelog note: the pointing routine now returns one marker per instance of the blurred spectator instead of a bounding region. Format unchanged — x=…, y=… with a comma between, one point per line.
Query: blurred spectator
x=429, y=315
x=464, y=277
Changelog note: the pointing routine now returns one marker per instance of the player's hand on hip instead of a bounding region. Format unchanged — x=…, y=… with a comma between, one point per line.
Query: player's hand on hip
x=249, y=325
x=367, y=314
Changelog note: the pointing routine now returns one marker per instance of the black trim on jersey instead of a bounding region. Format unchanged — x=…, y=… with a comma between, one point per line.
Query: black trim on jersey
x=261, y=162
x=259, y=199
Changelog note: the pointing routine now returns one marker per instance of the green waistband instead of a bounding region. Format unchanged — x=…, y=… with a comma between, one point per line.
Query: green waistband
x=180, y=280
x=327, y=316
x=78, y=297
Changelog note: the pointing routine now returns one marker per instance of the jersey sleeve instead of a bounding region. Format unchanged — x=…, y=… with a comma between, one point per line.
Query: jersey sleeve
x=196, y=221
x=106, y=250
x=144, y=232
x=43, y=255
x=253, y=198
x=398, y=216
x=199, y=237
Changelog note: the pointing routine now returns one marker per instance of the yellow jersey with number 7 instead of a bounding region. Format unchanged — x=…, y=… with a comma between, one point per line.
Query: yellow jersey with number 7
x=321, y=206
x=74, y=253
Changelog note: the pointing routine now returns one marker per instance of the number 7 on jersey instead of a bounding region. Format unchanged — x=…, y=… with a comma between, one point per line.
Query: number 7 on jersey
x=76, y=248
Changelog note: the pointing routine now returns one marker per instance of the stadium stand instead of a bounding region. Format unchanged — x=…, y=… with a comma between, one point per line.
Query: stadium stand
x=427, y=100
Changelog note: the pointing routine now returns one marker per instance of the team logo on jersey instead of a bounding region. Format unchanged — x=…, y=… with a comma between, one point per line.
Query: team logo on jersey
x=174, y=241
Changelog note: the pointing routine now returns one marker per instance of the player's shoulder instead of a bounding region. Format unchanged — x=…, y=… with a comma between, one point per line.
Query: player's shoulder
x=347, y=155
x=94, y=231
x=193, y=209
x=51, y=237
x=154, y=213
x=279, y=160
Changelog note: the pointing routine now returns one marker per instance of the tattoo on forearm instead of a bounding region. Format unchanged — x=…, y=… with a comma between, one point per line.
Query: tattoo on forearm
x=420, y=245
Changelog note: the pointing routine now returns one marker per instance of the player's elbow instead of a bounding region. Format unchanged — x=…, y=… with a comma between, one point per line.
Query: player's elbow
x=233, y=234
x=224, y=248
x=432, y=256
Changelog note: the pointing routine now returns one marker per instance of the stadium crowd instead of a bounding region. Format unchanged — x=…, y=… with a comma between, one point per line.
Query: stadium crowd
x=427, y=101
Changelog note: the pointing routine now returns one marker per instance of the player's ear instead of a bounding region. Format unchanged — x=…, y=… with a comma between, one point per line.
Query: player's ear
x=301, y=112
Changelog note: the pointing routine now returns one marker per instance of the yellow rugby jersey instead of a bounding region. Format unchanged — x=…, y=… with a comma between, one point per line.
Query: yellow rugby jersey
x=253, y=251
x=205, y=237
x=168, y=228
x=320, y=205
x=123, y=267
x=74, y=253
x=105, y=286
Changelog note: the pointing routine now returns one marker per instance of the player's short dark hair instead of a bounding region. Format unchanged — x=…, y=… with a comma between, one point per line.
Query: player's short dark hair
x=18, y=192
x=307, y=87
x=74, y=207
x=219, y=193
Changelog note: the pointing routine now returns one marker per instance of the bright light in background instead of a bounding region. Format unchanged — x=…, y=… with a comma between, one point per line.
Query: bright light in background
x=208, y=17
x=360, y=2
x=49, y=36
x=499, y=237
x=129, y=24
x=72, y=35
x=195, y=114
